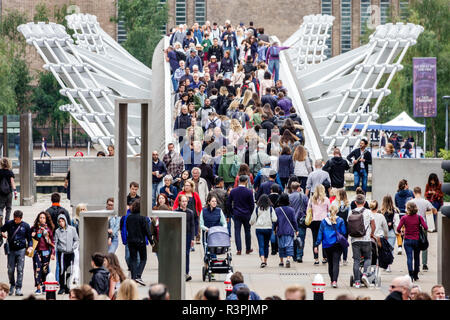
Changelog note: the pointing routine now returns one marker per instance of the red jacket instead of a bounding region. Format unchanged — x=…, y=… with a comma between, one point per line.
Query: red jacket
x=198, y=202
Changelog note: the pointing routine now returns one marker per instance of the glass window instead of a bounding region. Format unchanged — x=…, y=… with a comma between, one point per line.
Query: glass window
x=200, y=11
x=346, y=25
x=180, y=12
x=384, y=11
x=326, y=9
x=365, y=15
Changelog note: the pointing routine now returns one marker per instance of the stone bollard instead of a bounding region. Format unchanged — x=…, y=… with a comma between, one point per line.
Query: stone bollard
x=318, y=287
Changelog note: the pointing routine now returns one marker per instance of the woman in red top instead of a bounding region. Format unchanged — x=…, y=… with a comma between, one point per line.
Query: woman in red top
x=42, y=231
x=434, y=194
x=244, y=169
x=412, y=221
x=194, y=202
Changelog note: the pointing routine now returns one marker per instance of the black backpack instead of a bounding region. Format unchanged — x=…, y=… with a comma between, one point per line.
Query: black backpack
x=5, y=188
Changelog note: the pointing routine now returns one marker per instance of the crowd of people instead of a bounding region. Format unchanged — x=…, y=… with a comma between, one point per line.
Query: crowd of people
x=238, y=157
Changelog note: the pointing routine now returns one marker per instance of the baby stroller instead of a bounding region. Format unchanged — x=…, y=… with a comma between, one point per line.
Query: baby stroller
x=373, y=272
x=218, y=243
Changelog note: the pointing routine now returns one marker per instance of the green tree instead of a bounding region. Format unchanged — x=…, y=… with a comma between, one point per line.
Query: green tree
x=434, y=16
x=46, y=101
x=143, y=20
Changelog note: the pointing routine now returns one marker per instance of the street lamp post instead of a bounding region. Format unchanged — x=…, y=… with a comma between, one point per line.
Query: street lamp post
x=445, y=98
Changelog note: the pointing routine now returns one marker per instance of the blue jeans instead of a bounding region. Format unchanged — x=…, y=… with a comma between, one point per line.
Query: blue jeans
x=45, y=153
x=412, y=252
x=154, y=193
x=263, y=236
x=174, y=83
x=406, y=154
x=361, y=175
x=274, y=68
x=238, y=222
x=114, y=244
x=285, y=246
x=17, y=147
x=229, y=227
x=298, y=251
x=138, y=259
x=16, y=259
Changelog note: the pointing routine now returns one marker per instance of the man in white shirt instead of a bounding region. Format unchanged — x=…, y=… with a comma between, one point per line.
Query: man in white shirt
x=423, y=206
x=361, y=246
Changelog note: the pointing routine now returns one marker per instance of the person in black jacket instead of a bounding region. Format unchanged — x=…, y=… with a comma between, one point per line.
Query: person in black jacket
x=336, y=167
x=362, y=159
x=227, y=65
x=216, y=50
x=182, y=122
x=138, y=228
x=55, y=210
x=190, y=230
x=18, y=241
x=269, y=99
x=100, y=276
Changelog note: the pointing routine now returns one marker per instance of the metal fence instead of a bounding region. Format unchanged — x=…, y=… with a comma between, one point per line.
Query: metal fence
x=50, y=167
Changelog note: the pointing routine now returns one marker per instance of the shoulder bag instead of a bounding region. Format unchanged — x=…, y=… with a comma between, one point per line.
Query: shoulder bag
x=6, y=246
x=296, y=239
x=423, y=241
x=340, y=238
x=309, y=215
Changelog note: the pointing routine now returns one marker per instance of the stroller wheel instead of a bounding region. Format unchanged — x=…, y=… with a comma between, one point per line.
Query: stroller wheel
x=204, y=273
x=351, y=281
x=209, y=277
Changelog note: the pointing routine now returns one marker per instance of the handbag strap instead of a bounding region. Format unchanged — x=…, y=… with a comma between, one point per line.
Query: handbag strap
x=288, y=220
x=15, y=232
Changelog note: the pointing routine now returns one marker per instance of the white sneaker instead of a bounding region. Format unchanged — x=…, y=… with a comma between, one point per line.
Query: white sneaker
x=357, y=285
x=388, y=269
x=399, y=251
x=365, y=280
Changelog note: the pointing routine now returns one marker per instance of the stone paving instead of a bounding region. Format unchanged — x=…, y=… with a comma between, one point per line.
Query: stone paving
x=268, y=281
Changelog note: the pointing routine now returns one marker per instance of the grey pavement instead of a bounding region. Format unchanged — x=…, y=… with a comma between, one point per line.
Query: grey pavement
x=272, y=280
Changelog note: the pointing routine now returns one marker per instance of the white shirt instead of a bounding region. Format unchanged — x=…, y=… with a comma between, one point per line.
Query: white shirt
x=264, y=219
x=367, y=216
x=423, y=205
x=381, y=227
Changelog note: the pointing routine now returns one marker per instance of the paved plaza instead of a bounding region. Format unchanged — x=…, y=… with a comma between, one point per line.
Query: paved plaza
x=268, y=281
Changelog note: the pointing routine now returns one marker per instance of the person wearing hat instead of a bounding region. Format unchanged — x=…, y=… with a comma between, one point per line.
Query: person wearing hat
x=199, y=49
x=194, y=59
x=213, y=66
x=188, y=40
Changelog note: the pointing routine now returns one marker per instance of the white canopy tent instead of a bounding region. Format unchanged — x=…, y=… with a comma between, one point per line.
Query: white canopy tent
x=402, y=122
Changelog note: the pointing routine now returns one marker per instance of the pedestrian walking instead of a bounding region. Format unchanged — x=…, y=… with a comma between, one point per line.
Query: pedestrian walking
x=344, y=210
x=18, y=234
x=286, y=230
x=113, y=228
x=190, y=229
x=336, y=167
x=242, y=203
x=327, y=236
x=7, y=188
x=299, y=202
x=262, y=218
x=392, y=216
x=42, y=233
x=66, y=242
x=361, y=228
x=434, y=194
x=412, y=222
x=319, y=205
x=362, y=160
x=44, y=150
x=100, y=275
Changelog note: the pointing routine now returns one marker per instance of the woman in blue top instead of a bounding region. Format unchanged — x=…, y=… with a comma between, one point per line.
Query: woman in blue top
x=286, y=228
x=211, y=216
x=402, y=196
x=327, y=236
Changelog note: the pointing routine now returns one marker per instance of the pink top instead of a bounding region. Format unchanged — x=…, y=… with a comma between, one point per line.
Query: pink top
x=319, y=210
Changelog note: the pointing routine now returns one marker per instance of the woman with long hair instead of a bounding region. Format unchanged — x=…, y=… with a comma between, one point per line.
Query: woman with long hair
x=128, y=290
x=116, y=274
x=267, y=82
x=434, y=194
x=162, y=200
x=392, y=216
x=289, y=139
x=76, y=220
x=412, y=222
x=286, y=229
x=344, y=210
x=327, y=236
x=42, y=231
x=179, y=182
x=194, y=202
x=233, y=107
x=248, y=101
x=302, y=165
x=244, y=169
x=236, y=132
x=285, y=165
x=238, y=77
x=319, y=204
x=262, y=218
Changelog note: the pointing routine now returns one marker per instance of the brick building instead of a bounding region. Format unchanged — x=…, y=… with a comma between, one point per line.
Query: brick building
x=283, y=17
